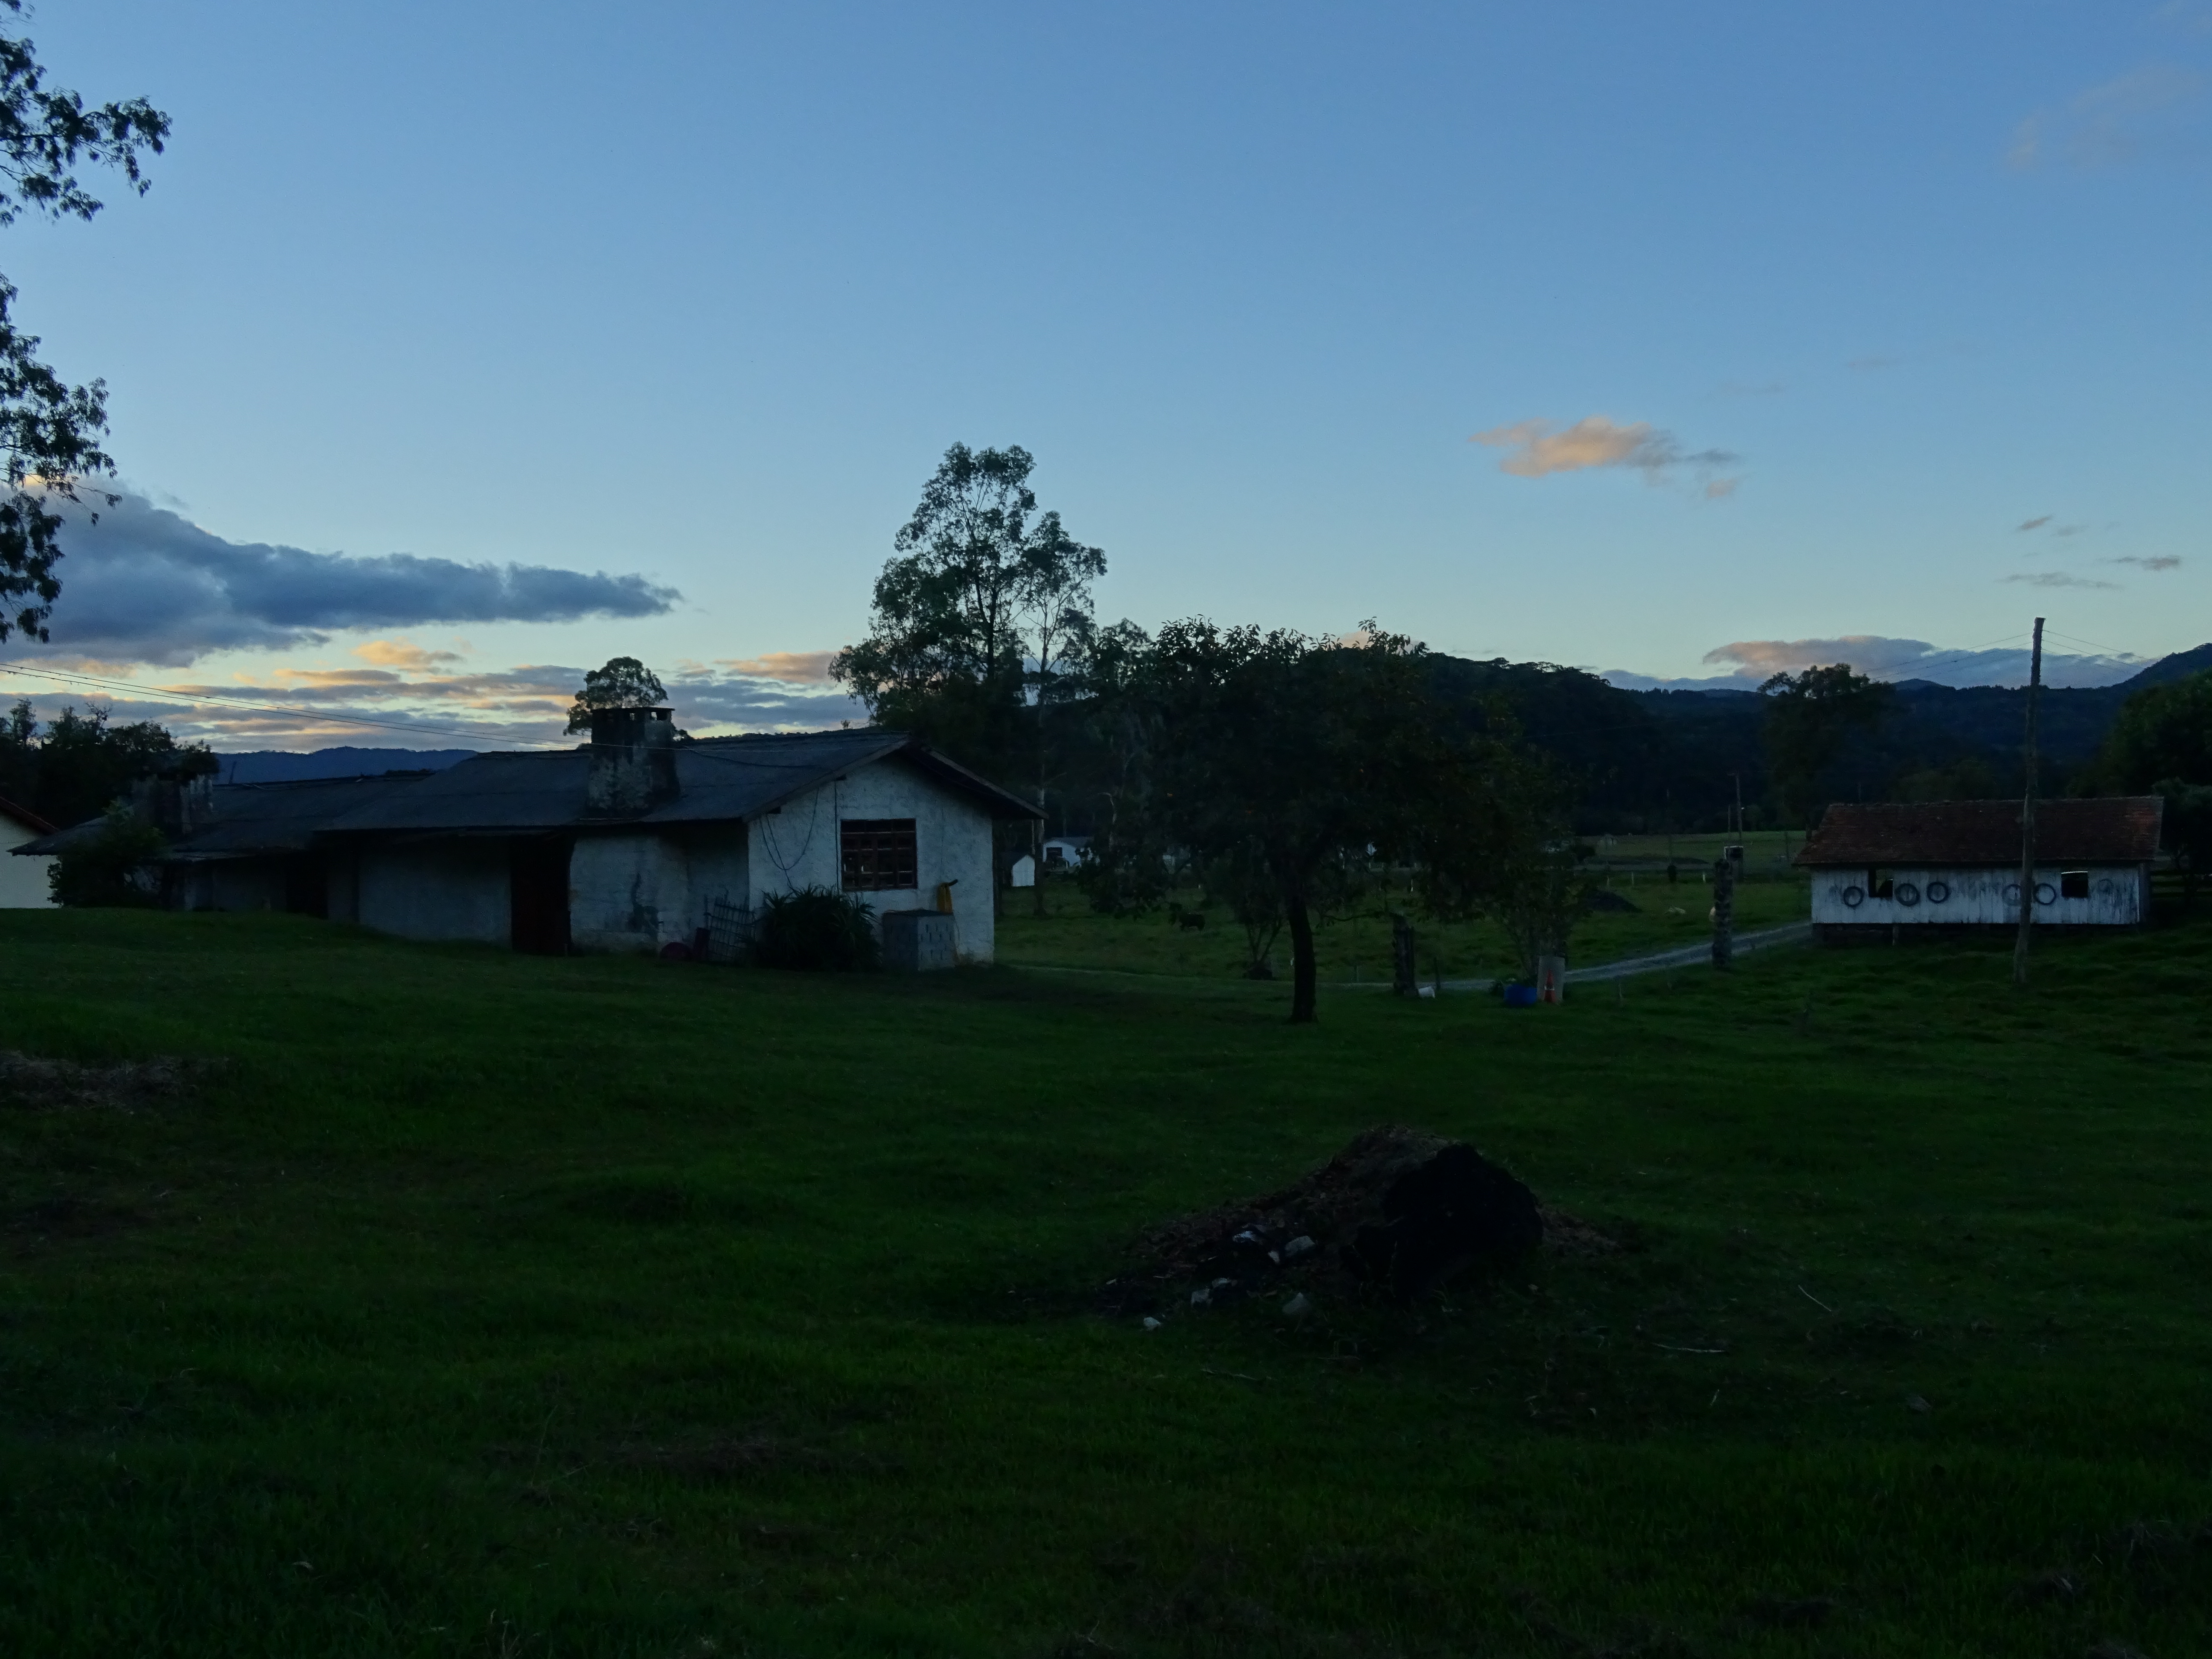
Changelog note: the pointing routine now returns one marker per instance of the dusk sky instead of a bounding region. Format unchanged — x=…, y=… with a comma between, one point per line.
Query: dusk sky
x=1687, y=341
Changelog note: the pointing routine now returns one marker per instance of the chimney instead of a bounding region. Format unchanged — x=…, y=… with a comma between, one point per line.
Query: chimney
x=175, y=801
x=632, y=762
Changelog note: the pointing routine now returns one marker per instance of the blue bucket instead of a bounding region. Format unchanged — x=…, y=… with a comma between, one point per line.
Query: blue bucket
x=1520, y=996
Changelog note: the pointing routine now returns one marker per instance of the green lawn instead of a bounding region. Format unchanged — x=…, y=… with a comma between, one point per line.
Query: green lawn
x=494, y=1305
x=1356, y=950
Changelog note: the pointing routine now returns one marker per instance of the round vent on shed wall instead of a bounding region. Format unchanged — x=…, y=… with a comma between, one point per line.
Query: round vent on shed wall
x=2045, y=893
x=1938, y=892
x=1907, y=894
x=1854, y=897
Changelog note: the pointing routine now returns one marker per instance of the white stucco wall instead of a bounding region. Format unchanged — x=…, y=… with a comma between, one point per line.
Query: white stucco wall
x=798, y=847
x=456, y=888
x=22, y=881
x=1980, y=897
x=638, y=891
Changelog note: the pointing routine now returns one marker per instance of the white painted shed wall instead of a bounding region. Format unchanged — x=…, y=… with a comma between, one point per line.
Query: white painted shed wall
x=22, y=881
x=798, y=847
x=640, y=890
x=2117, y=897
x=455, y=889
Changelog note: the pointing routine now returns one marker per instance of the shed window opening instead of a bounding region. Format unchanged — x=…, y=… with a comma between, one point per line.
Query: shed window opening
x=2074, y=883
x=877, y=855
x=1881, y=884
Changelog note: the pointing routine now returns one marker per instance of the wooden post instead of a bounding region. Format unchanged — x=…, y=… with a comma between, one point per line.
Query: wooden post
x=1404, y=976
x=2027, y=816
x=1723, y=913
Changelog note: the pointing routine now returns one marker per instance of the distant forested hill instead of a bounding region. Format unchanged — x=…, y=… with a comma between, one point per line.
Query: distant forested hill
x=281, y=766
x=1664, y=760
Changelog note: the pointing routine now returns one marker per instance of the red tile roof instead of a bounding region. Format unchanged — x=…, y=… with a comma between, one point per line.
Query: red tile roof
x=2117, y=829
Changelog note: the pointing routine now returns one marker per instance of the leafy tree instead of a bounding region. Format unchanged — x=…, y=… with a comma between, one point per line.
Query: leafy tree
x=113, y=869
x=1303, y=760
x=2188, y=830
x=2162, y=732
x=1540, y=891
x=1809, y=717
x=983, y=621
x=622, y=682
x=49, y=430
x=71, y=769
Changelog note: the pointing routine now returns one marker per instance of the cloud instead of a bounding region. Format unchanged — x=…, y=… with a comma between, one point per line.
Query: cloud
x=1719, y=490
x=402, y=653
x=1871, y=365
x=144, y=585
x=294, y=707
x=790, y=667
x=1540, y=448
x=2056, y=579
x=1888, y=659
x=2035, y=524
x=2109, y=124
x=2153, y=561
x=1743, y=389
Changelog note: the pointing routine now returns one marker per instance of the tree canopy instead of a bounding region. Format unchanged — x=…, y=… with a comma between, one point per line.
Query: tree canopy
x=620, y=682
x=982, y=618
x=1809, y=717
x=50, y=430
x=1300, y=762
x=2162, y=732
x=71, y=769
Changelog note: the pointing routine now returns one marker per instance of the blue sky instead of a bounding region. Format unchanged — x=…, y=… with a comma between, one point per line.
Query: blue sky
x=1780, y=322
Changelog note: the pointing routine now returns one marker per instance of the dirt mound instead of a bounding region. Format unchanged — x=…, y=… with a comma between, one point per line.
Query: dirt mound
x=1604, y=898
x=1394, y=1214
x=30, y=1083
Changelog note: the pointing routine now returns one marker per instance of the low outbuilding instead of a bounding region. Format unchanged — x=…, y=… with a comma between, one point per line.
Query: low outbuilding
x=1879, y=869
x=632, y=841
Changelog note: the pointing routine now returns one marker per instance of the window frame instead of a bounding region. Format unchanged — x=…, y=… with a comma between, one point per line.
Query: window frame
x=862, y=844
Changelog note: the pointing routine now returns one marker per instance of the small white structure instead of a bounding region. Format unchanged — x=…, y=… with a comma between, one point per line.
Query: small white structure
x=1022, y=873
x=1878, y=869
x=23, y=882
x=1065, y=852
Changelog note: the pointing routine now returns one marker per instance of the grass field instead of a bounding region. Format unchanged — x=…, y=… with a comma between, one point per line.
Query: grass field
x=1356, y=950
x=493, y=1305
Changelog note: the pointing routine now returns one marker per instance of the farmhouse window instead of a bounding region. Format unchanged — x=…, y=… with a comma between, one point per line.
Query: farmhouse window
x=878, y=854
x=2074, y=883
x=1881, y=884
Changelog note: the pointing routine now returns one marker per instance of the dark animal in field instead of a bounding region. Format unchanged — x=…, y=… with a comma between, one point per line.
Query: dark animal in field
x=1604, y=898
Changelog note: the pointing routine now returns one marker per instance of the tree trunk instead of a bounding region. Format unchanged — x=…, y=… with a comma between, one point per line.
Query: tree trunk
x=1302, y=959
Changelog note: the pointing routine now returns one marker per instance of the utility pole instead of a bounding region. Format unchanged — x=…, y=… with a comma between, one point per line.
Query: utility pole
x=2027, y=814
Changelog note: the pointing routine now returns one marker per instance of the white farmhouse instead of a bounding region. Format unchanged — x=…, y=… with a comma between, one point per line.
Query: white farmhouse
x=23, y=881
x=633, y=841
x=1880, y=869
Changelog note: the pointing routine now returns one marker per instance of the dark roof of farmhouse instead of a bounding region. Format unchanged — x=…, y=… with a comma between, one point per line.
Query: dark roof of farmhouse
x=2114, y=829
x=247, y=820
x=722, y=780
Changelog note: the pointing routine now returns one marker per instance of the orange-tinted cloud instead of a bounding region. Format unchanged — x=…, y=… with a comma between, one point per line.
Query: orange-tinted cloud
x=402, y=653
x=789, y=667
x=1539, y=448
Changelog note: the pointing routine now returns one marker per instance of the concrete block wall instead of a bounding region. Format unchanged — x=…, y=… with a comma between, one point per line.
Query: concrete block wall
x=798, y=847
